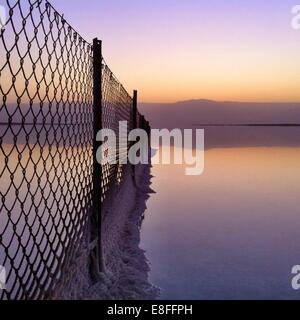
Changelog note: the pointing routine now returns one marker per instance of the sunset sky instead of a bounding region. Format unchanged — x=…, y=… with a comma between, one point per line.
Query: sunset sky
x=174, y=50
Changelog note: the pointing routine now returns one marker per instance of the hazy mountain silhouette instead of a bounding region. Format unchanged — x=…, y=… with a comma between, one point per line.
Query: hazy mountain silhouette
x=184, y=114
x=187, y=114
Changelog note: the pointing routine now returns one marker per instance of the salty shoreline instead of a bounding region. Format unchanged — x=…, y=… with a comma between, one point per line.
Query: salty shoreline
x=126, y=265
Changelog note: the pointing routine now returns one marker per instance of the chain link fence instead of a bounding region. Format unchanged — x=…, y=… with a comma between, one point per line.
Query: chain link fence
x=47, y=150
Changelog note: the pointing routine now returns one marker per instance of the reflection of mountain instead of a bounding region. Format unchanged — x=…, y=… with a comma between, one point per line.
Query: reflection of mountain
x=54, y=124
x=47, y=113
x=185, y=114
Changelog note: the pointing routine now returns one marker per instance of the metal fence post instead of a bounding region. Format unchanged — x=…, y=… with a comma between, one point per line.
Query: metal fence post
x=97, y=258
x=134, y=113
x=143, y=123
x=149, y=133
x=134, y=125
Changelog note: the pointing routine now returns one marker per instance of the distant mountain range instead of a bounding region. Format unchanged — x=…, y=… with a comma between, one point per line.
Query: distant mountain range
x=182, y=115
x=185, y=114
x=196, y=113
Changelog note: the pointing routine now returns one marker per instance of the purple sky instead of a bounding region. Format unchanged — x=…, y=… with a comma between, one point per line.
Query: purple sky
x=174, y=49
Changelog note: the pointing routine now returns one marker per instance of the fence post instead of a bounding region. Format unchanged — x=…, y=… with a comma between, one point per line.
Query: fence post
x=134, y=113
x=149, y=132
x=143, y=123
x=134, y=125
x=97, y=258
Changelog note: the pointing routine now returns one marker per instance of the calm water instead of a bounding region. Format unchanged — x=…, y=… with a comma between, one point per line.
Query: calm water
x=47, y=199
x=231, y=233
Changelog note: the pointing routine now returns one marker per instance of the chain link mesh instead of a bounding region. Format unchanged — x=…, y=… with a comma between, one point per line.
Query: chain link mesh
x=116, y=106
x=46, y=140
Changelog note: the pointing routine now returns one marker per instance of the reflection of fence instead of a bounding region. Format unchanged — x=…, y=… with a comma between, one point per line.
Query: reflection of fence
x=56, y=93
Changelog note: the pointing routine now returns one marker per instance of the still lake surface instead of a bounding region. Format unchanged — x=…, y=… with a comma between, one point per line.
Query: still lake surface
x=231, y=233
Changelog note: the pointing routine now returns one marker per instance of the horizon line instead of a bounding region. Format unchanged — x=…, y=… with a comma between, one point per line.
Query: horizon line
x=222, y=101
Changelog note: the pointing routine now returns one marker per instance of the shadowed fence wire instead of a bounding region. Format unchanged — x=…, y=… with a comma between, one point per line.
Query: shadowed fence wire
x=46, y=145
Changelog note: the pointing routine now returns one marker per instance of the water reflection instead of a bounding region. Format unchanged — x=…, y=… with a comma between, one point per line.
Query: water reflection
x=231, y=233
x=45, y=195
